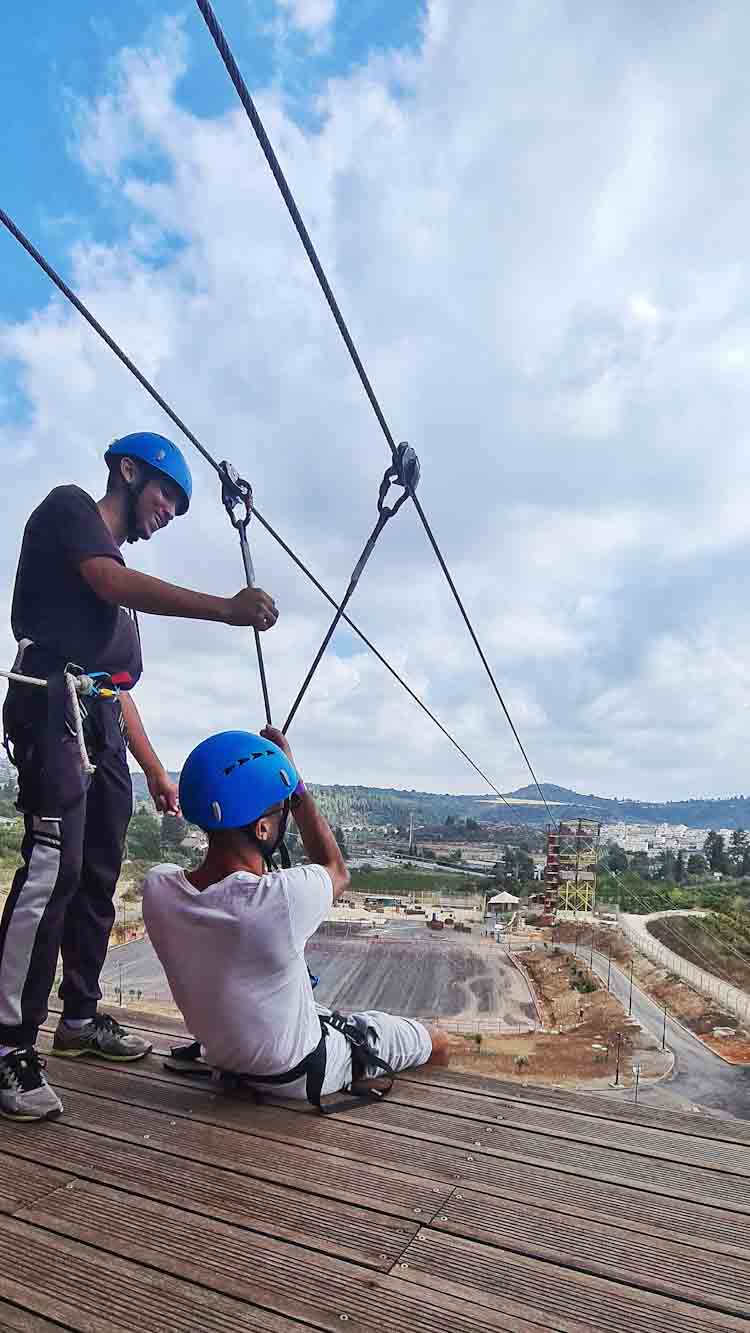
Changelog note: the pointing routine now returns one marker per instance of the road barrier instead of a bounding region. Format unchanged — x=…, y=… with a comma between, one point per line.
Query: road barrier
x=731, y=998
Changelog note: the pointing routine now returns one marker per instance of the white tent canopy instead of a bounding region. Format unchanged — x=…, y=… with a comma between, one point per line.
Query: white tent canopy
x=502, y=900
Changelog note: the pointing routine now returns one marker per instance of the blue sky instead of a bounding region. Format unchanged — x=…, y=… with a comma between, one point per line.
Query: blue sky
x=534, y=222
x=45, y=66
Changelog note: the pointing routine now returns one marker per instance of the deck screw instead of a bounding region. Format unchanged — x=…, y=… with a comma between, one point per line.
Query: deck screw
x=477, y=1143
x=147, y=1136
x=417, y=1210
x=344, y=1317
x=443, y=1219
x=384, y=1256
x=403, y=1265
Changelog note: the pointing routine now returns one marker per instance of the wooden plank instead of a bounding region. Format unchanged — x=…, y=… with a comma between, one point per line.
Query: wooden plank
x=22, y=1181
x=305, y=1215
x=111, y=1126
x=78, y=1286
x=449, y=1149
x=699, y=1225
x=568, y=1124
x=267, y=1273
x=15, y=1320
x=593, y=1247
x=604, y=1106
x=468, y=1269
x=163, y=1029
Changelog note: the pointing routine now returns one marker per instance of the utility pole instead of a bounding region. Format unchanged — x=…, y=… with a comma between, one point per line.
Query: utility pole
x=630, y=1001
x=591, y=955
x=617, y=1065
x=664, y=1028
x=578, y=931
x=637, y=1072
x=609, y=965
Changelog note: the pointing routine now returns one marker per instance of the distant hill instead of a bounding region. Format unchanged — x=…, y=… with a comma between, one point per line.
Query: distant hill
x=390, y=805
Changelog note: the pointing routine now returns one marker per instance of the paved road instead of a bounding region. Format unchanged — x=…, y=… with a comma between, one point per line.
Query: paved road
x=701, y=1077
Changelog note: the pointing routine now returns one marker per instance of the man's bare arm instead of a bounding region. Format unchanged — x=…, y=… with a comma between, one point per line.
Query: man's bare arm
x=317, y=839
x=119, y=586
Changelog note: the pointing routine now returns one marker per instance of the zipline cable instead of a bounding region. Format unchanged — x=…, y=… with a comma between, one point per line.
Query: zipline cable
x=224, y=470
x=243, y=92
x=404, y=472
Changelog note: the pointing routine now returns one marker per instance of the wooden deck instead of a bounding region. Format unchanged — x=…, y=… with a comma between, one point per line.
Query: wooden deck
x=460, y=1205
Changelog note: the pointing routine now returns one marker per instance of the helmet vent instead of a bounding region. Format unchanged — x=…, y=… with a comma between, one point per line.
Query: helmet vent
x=216, y=811
x=284, y=778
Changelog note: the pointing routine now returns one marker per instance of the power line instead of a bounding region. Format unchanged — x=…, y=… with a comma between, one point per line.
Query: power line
x=243, y=92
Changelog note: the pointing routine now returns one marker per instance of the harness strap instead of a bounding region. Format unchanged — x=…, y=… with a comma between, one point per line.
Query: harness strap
x=313, y=1066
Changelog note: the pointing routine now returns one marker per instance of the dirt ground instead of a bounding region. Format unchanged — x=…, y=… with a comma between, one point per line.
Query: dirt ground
x=587, y=1034
x=697, y=1012
x=421, y=975
x=688, y=937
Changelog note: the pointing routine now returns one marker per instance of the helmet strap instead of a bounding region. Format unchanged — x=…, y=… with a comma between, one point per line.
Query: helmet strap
x=135, y=490
x=268, y=853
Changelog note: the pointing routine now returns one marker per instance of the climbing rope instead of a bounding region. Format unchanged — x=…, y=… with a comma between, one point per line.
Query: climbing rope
x=76, y=684
x=404, y=472
x=230, y=64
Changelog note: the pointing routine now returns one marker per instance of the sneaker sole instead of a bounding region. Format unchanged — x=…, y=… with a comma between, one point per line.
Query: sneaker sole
x=187, y=1068
x=26, y=1118
x=100, y=1055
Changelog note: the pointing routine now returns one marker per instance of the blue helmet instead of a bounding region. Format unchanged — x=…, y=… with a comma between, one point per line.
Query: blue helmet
x=161, y=455
x=230, y=780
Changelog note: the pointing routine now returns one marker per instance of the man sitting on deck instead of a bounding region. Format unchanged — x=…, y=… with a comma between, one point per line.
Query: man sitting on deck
x=231, y=934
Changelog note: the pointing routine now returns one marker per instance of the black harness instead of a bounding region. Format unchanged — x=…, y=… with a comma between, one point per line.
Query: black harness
x=366, y=1065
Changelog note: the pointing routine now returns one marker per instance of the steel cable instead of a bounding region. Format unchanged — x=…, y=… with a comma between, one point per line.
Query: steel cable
x=243, y=92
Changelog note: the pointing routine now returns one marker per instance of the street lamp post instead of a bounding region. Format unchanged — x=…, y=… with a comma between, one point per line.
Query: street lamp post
x=578, y=931
x=637, y=1072
x=609, y=965
x=664, y=1028
x=630, y=1001
x=617, y=1063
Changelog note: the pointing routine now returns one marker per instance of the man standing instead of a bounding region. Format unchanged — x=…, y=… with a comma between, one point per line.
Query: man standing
x=75, y=602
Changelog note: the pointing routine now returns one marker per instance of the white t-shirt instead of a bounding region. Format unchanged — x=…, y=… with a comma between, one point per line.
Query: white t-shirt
x=234, y=959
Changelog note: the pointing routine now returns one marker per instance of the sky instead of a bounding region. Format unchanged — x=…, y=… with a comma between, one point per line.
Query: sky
x=535, y=217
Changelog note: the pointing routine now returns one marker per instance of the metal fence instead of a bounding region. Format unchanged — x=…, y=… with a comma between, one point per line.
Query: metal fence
x=729, y=997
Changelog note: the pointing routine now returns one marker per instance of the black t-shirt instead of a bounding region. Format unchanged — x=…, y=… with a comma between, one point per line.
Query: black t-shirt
x=53, y=604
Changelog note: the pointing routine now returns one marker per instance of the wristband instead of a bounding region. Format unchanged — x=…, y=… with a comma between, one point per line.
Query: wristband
x=299, y=791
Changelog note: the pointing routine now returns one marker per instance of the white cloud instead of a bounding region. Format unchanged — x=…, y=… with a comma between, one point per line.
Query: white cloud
x=537, y=233
x=309, y=16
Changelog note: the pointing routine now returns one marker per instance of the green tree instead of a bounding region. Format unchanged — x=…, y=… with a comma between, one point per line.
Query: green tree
x=679, y=869
x=524, y=867
x=696, y=864
x=715, y=851
x=616, y=858
x=338, y=834
x=144, y=838
x=666, y=865
x=745, y=865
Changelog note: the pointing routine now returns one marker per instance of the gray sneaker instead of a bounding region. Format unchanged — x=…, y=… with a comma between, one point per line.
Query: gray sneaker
x=25, y=1093
x=103, y=1036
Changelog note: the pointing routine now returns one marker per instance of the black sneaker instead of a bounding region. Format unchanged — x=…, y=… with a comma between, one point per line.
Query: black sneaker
x=187, y=1060
x=25, y=1093
x=102, y=1036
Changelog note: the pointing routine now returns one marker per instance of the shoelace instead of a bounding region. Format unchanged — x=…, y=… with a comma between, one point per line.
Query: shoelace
x=25, y=1067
